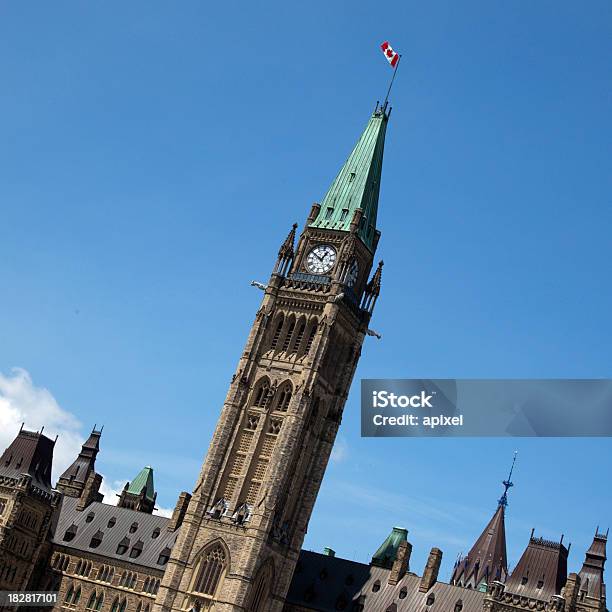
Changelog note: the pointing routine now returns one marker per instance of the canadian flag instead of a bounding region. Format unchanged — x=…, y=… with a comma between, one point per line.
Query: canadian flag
x=391, y=55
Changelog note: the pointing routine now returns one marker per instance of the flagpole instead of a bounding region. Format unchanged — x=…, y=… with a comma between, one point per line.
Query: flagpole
x=392, y=79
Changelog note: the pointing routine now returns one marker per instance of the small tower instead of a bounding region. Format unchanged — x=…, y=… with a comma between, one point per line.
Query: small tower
x=140, y=494
x=76, y=477
x=27, y=503
x=487, y=559
x=387, y=552
x=592, y=590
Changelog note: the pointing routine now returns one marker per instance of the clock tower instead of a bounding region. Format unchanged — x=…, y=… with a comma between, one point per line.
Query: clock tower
x=250, y=508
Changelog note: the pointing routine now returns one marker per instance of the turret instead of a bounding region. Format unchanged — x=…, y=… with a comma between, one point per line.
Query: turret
x=592, y=589
x=81, y=473
x=139, y=494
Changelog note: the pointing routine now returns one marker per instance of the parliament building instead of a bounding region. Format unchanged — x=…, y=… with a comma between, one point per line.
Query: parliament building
x=234, y=543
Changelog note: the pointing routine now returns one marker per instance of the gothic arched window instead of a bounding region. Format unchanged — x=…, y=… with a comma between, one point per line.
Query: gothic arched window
x=311, y=335
x=288, y=334
x=284, y=397
x=277, y=331
x=211, y=569
x=261, y=588
x=299, y=335
x=261, y=394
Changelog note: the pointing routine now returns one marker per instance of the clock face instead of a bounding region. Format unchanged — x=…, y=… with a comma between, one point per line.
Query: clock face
x=353, y=272
x=321, y=259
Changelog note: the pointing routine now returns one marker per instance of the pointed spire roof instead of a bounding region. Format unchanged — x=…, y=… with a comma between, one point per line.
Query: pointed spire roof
x=78, y=472
x=144, y=480
x=387, y=551
x=357, y=185
x=592, y=572
x=487, y=560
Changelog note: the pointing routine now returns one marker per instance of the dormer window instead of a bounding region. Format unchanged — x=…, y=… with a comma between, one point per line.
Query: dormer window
x=89, y=517
x=376, y=587
x=344, y=214
x=123, y=546
x=524, y=580
x=540, y=584
x=403, y=593
x=219, y=509
x=164, y=555
x=242, y=514
x=136, y=550
x=96, y=539
x=133, y=527
x=156, y=533
x=70, y=533
x=458, y=606
x=111, y=523
x=328, y=213
x=430, y=599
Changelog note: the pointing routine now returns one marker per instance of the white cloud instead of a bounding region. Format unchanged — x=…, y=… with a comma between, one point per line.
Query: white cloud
x=23, y=402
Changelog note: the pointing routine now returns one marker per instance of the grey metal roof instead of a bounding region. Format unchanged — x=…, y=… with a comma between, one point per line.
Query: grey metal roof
x=320, y=581
x=97, y=517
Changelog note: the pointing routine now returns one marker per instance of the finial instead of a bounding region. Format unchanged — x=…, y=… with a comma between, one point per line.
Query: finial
x=503, y=500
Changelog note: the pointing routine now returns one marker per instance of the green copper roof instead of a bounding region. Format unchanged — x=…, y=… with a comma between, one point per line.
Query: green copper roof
x=143, y=480
x=357, y=184
x=387, y=551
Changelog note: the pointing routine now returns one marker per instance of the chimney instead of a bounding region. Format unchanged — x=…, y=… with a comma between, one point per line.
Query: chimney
x=401, y=563
x=179, y=511
x=570, y=590
x=91, y=492
x=430, y=575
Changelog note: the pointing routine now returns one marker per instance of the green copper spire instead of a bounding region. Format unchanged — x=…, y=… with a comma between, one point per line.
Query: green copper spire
x=357, y=184
x=387, y=551
x=143, y=480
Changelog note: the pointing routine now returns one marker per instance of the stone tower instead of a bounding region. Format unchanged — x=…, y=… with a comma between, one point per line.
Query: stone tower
x=80, y=479
x=27, y=503
x=252, y=502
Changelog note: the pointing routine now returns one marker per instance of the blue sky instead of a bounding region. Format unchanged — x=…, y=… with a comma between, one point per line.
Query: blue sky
x=155, y=156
